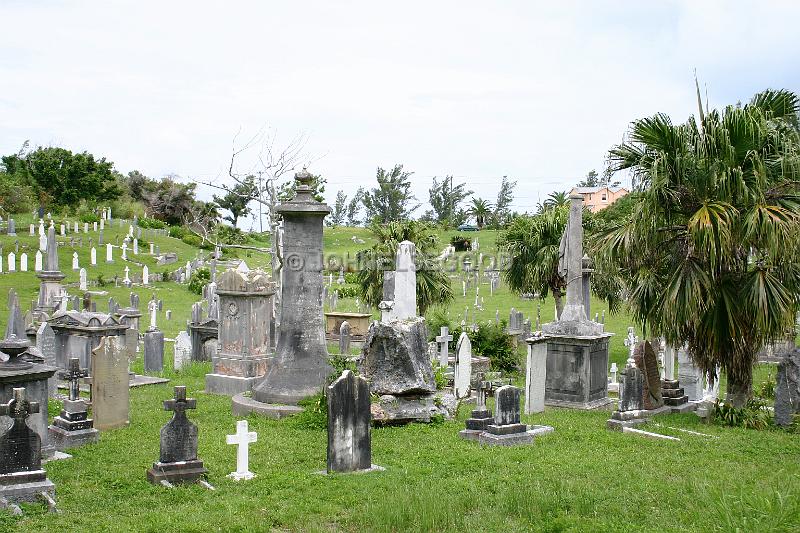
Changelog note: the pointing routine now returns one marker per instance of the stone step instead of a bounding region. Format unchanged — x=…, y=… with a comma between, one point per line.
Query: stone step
x=670, y=383
x=672, y=402
x=672, y=393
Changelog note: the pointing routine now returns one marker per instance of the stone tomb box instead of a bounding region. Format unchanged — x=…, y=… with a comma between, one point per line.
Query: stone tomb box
x=359, y=324
x=577, y=371
x=78, y=333
x=245, y=312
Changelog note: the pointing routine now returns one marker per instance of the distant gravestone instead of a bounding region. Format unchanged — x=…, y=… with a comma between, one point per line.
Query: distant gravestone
x=37, y=266
x=183, y=350
x=463, y=367
x=344, y=338
x=75, y=265
x=444, y=339
x=647, y=361
x=12, y=228
x=83, y=281
x=109, y=253
x=12, y=262
x=23, y=262
x=93, y=256
x=46, y=342
x=349, y=418
x=178, y=462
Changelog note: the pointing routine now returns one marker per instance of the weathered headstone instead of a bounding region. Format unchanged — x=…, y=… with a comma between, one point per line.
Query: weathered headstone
x=463, y=367
x=349, y=439
x=46, y=343
x=690, y=376
x=110, y=392
x=21, y=476
x=443, y=339
x=507, y=429
x=242, y=439
x=83, y=282
x=787, y=389
x=178, y=462
x=182, y=351
x=344, y=338
x=647, y=361
x=535, y=375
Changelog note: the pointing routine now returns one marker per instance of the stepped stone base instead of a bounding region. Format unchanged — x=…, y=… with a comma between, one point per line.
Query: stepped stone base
x=242, y=405
x=179, y=472
x=19, y=487
x=229, y=385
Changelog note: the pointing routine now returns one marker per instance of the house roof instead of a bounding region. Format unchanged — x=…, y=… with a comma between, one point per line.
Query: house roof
x=592, y=190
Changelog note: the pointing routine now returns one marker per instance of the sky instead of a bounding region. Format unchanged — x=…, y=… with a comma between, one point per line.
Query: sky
x=536, y=91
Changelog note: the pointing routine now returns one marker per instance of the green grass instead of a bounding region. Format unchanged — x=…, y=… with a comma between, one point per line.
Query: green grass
x=581, y=478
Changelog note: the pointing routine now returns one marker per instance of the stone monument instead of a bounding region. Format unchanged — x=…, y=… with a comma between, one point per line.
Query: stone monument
x=50, y=287
x=507, y=429
x=300, y=366
x=577, y=348
x=245, y=309
x=110, y=391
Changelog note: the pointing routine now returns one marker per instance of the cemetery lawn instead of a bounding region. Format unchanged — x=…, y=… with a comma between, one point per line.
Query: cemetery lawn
x=581, y=478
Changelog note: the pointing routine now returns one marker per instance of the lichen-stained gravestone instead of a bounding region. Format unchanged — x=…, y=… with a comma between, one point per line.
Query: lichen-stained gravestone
x=110, y=392
x=787, y=389
x=647, y=361
x=349, y=439
x=183, y=350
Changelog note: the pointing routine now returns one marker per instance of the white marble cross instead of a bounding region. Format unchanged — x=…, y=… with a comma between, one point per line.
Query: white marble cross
x=443, y=339
x=242, y=438
x=631, y=342
x=614, y=372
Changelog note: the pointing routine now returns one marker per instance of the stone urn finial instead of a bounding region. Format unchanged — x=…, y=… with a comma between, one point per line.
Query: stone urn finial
x=304, y=179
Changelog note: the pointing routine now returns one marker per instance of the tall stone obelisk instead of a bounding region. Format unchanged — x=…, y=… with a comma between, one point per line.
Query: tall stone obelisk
x=300, y=366
x=50, y=288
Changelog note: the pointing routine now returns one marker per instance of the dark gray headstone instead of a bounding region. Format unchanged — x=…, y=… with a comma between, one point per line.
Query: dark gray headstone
x=632, y=390
x=507, y=405
x=179, y=435
x=787, y=389
x=349, y=442
x=154, y=351
x=20, y=446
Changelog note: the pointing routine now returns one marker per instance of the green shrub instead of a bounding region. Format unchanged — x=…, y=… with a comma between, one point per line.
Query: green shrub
x=767, y=389
x=347, y=291
x=439, y=376
x=754, y=415
x=177, y=232
x=230, y=235
x=15, y=197
x=314, y=415
x=147, y=222
x=192, y=240
x=88, y=217
x=199, y=279
x=492, y=341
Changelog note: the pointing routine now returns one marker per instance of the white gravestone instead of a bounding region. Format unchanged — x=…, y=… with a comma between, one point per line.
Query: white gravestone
x=38, y=261
x=12, y=262
x=135, y=246
x=93, y=256
x=535, y=375
x=463, y=367
x=124, y=251
x=23, y=262
x=83, y=286
x=243, y=438
x=75, y=265
x=86, y=227
x=405, y=283
x=145, y=275
x=42, y=243
x=183, y=350
x=109, y=253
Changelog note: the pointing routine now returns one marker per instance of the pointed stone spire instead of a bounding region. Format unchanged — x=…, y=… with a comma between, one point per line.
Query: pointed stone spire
x=15, y=324
x=52, y=250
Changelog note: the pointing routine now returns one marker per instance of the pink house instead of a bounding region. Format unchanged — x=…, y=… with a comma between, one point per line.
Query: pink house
x=597, y=198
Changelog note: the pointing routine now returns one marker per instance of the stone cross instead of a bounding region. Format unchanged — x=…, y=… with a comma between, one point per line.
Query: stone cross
x=73, y=375
x=243, y=438
x=127, y=280
x=444, y=339
x=180, y=403
x=124, y=251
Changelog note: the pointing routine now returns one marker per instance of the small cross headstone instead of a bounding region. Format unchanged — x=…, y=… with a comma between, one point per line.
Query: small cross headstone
x=444, y=339
x=243, y=438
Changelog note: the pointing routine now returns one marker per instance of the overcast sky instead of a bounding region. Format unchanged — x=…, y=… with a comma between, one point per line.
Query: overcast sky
x=538, y=91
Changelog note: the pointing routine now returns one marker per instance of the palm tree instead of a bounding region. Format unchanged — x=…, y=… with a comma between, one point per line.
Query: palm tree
x=710, y=253
x=433, y=285
x=555, y=199
x=481, y=210
x=533, y=244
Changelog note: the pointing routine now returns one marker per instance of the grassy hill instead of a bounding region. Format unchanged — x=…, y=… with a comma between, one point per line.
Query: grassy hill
x=581, y=478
